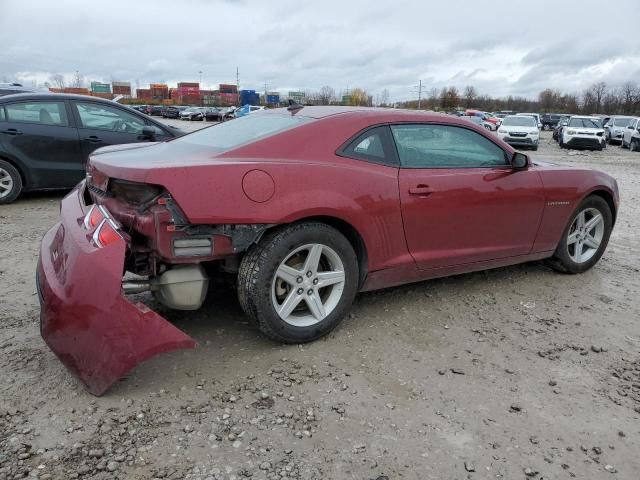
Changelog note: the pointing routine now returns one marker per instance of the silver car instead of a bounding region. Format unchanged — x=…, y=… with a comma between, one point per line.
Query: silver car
x=631, y=135
x=615, y=127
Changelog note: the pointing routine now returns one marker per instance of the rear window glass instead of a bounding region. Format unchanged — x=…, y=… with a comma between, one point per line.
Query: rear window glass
x=584, y=123
x=231, y=134
x=521, y=121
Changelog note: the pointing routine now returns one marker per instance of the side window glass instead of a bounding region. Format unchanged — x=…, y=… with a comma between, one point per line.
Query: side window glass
x=104, y=117
x=445, y=146
x=371, y=146
x=43, y=113
x=2, y=117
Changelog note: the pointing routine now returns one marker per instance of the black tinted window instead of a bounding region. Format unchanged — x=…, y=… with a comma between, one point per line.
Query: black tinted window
x=445, y=146
x=371, y=146
x=2, y=117
x=44, y=113
x=105, y=117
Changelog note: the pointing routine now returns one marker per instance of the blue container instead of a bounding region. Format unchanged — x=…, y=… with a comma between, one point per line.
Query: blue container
x=249, y=97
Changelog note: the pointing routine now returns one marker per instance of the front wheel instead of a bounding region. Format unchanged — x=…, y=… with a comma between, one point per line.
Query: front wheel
x=297, y=284
x=634, y=146
x=585, y=238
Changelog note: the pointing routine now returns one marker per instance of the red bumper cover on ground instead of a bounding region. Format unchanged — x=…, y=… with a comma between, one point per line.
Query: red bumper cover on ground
x=85, y=319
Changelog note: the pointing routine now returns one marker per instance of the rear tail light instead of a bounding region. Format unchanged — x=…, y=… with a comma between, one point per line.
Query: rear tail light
x=94, y=216
x=106, y=233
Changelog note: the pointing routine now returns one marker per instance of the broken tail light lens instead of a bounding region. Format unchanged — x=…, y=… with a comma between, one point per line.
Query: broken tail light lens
x=94, y=216
x=106, y=233
x=133, y=192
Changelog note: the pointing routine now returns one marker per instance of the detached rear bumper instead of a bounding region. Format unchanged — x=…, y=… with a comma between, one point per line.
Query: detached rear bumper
x=85, y=319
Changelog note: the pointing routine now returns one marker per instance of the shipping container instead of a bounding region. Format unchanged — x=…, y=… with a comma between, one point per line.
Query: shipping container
x=189, y=84
x=273, y=99
x=99, y=87
x=249, y=97
x=228, y=88
x=143, y=93
x=76, y=90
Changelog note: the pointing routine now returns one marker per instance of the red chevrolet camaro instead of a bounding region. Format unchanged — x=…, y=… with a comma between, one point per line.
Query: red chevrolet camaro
x=306, y=206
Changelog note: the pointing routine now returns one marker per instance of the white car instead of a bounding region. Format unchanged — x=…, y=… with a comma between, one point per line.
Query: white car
x=631, y=136
x=615, y=127
x=583, y=132
x=193, y=113
x=520, y=131
x=534, y=115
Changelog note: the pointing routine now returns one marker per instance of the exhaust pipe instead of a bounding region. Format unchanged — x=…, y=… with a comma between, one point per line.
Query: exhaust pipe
x=136, y=286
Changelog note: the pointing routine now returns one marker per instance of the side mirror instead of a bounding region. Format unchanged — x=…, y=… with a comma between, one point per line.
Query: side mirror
x=148, y=133
x=519, y=161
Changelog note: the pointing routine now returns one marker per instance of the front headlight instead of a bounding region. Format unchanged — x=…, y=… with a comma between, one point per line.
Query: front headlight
x=502, y=131
x=571, y=132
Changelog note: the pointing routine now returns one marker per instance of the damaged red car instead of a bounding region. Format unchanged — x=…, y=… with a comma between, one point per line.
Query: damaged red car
x=306, y=207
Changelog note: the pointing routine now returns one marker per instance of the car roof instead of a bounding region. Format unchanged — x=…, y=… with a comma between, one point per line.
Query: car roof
x=53, y=96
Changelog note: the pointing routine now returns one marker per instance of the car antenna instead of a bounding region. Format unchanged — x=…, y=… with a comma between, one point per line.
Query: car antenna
x=294, y=106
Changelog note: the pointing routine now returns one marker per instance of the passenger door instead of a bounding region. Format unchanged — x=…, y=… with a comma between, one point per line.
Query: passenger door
x=100, y=125
x=39, y=136
x=461, y=200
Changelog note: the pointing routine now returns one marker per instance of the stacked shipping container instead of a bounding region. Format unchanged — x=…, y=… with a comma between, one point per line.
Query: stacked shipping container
x=122, y=88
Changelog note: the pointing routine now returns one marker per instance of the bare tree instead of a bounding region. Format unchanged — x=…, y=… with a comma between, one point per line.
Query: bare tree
x=78, y=80
x=384, y=98
x=326, y=95
x=470, y=94
x=434, y=96
x=57, y=80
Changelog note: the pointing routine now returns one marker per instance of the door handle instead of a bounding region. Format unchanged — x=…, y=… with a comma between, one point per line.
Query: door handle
x=12, y=131
x=93, y=139
x=421, y=189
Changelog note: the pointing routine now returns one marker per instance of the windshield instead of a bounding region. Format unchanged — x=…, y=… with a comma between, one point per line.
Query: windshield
x=622, y=122
x=228, y=135
x=520, y=121
x=584, y=123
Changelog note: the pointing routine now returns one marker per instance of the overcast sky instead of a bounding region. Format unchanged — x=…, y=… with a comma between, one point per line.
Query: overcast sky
x=502, y=47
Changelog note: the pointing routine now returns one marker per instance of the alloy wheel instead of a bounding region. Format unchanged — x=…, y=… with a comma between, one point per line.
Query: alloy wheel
x=585, y=235
x=308, y=285
x=6, y=183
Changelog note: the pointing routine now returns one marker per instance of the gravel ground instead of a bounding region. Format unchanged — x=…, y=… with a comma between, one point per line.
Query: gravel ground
x=511, y=373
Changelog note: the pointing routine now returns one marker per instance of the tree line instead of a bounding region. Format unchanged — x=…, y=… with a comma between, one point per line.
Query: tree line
x=597, y=98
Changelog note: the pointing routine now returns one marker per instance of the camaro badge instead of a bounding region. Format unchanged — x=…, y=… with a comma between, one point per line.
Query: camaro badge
x=555, y=204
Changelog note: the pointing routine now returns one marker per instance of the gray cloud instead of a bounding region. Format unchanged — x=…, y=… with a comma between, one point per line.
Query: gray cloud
x=304, y=45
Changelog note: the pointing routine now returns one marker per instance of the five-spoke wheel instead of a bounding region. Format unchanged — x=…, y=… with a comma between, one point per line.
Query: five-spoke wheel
x=585, y=237
x=299, y=281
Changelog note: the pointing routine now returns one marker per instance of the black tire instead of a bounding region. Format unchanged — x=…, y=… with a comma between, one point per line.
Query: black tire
x=16, y=181
x=561, y=260
x=257, y=271
x=634, y=146
x=622, y=145
x=534, y=148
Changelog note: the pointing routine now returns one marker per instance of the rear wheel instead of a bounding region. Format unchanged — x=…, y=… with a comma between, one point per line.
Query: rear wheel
x=10, y=182
x=634, y=146
x=297, y=284
x=585, y=238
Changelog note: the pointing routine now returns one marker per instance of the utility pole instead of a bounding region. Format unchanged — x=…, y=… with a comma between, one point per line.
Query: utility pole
x=200, y=73
x=419, y=93
x=238, y=79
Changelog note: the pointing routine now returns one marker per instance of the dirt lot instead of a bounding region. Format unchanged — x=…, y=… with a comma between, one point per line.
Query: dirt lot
x=512, y=373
